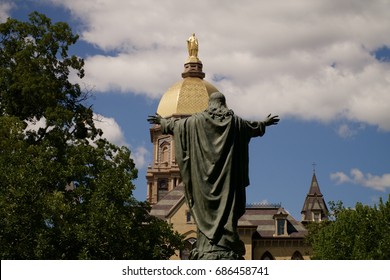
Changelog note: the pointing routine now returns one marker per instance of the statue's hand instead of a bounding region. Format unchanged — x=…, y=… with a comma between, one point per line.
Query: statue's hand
x=156, y=119
x=271, y=120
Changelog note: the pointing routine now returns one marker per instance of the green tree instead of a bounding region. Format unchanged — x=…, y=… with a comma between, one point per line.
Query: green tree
x=65, y=191
x=362, y=233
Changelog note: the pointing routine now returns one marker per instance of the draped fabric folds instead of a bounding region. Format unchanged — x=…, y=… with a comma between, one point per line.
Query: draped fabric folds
x=212, y=153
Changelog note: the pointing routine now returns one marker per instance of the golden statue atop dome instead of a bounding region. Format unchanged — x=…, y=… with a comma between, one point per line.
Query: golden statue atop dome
x=193, y=66
x=193, y=48
x=191, y=94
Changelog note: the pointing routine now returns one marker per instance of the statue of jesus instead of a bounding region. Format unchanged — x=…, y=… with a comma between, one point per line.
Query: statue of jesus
x=211, y=149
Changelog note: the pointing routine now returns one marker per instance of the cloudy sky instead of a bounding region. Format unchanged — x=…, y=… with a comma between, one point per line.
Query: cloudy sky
x=322, y=66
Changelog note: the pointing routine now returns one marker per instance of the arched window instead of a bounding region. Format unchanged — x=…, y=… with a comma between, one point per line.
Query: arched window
x=267, y=256
x=297, y=256
x=162, y=189
x=165, y=153
x=163, y=184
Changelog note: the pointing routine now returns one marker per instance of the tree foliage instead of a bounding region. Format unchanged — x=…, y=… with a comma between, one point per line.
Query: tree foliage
x=362, y=233
x=65, y=191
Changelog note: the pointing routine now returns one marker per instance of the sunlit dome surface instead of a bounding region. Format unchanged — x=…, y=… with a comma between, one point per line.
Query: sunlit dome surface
x=186, y=97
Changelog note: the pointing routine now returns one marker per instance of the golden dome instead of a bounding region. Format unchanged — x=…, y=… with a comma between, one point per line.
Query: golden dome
x=186, y=97
x=190, y=95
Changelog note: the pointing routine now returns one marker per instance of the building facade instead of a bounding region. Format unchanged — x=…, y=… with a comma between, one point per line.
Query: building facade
x=268, y=231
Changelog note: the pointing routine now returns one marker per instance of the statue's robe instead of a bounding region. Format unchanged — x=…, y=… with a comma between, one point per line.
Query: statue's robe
x=212, y=154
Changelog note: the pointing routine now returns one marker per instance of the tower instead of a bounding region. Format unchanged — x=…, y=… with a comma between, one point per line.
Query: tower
x=314, y=208
x=184, y=98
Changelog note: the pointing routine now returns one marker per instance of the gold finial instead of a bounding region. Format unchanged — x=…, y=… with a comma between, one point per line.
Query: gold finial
x=193, y=48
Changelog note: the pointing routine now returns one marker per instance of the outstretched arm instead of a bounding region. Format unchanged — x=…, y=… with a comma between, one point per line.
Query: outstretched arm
x=167, y=125
x=271, y=120
x=258, y=128
x=156, y=119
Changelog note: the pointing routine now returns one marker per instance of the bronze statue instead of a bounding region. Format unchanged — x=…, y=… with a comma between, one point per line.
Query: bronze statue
x=211, y=149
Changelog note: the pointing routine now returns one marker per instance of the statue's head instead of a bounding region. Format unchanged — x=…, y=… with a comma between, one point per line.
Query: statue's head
x=217, y=107
x=217, y=99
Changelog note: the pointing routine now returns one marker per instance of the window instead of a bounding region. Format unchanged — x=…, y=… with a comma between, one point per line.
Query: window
x=280, y=223
x=164, y=151
x=281, y=226
x=162, y=188
x=163, y=184
x=188, y=217
x=165, y=154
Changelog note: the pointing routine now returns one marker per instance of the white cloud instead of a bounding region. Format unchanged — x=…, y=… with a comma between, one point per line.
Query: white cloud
x=376, y=182
x=306, y=59
x=348, y=130
x=345, y=131
x=4, y=10
x=127, y=73
x=34, y=125
x=140, y=155
x=111, y=130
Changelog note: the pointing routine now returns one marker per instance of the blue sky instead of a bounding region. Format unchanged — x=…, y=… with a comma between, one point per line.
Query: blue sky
x=322, y=66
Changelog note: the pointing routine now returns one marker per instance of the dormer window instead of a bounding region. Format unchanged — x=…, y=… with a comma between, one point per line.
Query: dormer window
x=280, y=223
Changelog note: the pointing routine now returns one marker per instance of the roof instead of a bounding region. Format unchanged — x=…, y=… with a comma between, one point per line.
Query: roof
x=314, y=187
x=263, y=219
x=314, y=201
x=165, y=207
x=258, y=216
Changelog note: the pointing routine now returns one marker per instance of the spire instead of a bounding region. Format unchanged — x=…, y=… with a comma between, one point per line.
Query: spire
x=193, y=66
x=314, y=208
x=314, y=187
